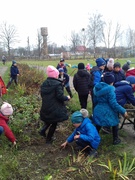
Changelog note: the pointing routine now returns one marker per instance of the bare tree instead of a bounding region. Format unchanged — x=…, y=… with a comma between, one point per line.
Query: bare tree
x=130, y=39
x=75, y=40
x=117, y=34
x=8, y=36
x=107, y=36
x=95, y=29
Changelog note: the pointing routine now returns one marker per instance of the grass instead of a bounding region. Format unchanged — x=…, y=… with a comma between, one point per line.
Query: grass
x=31, y=159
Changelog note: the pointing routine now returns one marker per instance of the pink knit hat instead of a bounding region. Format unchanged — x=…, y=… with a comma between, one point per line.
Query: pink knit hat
x=52, y=72
x=6, y=109
x=110, y=63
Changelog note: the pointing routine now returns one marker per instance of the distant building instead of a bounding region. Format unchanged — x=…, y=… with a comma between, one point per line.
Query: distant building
x=81, y=49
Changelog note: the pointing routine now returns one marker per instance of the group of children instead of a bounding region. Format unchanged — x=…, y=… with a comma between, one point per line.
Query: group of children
x=102, y=84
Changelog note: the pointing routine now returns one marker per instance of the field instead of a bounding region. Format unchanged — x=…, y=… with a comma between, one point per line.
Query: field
x=32, y=159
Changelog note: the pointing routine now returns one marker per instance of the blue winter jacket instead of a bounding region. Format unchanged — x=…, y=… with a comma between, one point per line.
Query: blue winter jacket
x=88, y=133
x=96, y=73
x=124, y=93
x=106, y=107
x=14, y=71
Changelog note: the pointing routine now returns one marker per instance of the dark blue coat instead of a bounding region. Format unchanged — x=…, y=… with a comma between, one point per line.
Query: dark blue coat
x=81, y=82
x=14, y=71
x=62, y=66
x=124, y=93
x=88, y=133
x=119, y=76
x=106, y=109
x=65, y=79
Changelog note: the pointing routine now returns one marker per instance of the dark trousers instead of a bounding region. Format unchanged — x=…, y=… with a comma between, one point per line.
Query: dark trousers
x=11, y=80
x=83, y=100
x=81, y=143
x=114, y=131
x=69, y=91
x=51, y=130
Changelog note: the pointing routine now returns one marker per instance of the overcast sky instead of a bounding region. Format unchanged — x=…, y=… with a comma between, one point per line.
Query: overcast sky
x=61, y=16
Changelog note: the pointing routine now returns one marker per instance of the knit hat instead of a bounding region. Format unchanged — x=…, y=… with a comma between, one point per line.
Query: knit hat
x=84, y=112
x=62, y=60
x=110, y=63
x=52, y=72
x=81, y=66
x=61, y=70
x=109, y=78
x=117, y=64
x=100, y=62
x=126, y=66
x=77, y=117
x=13, y=62
x=131, y=79
x=6, y=109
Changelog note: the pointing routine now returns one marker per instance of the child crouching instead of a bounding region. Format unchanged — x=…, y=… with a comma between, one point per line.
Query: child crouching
x=85, y=133
x=6, y=110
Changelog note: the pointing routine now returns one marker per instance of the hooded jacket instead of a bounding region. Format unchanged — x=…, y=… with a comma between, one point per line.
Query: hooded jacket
x=124, y=93
x=7, y=131
x=88, y=133
x=106, y=107
x=96, y=73
x=81, y=82
x=53, y=108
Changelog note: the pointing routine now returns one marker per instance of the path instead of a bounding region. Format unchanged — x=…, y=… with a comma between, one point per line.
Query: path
x=3, y=69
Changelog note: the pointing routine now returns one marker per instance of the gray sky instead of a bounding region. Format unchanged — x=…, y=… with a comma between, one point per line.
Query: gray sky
x=61, y=16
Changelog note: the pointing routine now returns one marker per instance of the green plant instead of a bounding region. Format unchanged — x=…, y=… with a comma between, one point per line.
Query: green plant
x=126, y=167
x=122, y=171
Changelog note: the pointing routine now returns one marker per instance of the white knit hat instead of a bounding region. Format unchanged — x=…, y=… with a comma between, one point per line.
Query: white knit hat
x=6, y=109
x=84, y=112
x=110, y=63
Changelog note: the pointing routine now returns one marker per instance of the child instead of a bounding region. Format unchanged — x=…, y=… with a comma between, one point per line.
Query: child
x=85, y=133
x=125, y=91
x=81, y=82
x=127, y=70
x=109, y=65
x=14, y=73
x=6, y=111
x=62, y=65
x=64, y=78
x=118, y=72
x=106, y=108
x=53, y=109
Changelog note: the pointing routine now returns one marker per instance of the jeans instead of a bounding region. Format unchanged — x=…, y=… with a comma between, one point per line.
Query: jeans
x=1, y=130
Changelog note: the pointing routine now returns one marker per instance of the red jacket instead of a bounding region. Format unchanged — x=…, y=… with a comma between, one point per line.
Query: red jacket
x=8, y=133
x=130, y=72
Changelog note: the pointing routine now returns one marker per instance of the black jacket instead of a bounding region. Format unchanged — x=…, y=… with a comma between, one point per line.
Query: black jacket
x=53, y=108
x=81, y=82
